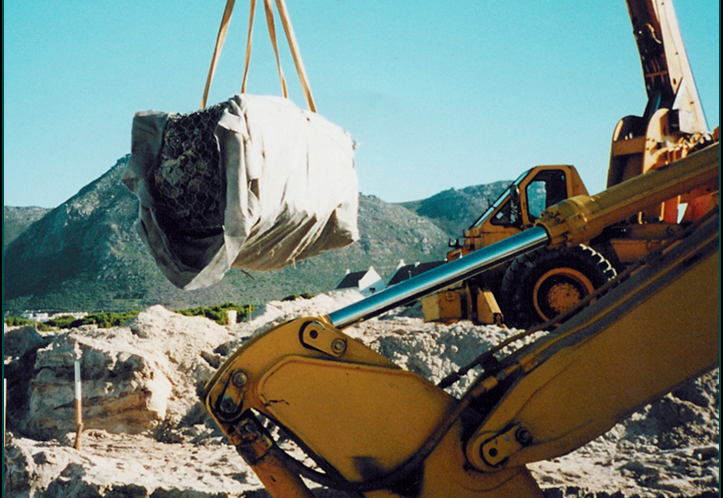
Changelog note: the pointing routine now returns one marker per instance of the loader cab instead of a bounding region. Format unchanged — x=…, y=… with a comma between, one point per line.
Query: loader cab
x=520, y=205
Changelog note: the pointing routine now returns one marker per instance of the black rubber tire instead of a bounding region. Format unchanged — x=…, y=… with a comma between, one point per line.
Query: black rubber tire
x=539, y=285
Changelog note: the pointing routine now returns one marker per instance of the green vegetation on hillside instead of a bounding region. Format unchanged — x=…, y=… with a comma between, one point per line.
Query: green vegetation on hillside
x=16, y=321
x=294, y=297
x=102, y=320
x=218, y=314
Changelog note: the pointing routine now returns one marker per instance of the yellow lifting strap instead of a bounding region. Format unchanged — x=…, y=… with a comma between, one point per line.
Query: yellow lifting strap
x=290, y=37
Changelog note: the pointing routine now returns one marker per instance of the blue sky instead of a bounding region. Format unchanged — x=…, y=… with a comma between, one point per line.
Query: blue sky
x=438, y=94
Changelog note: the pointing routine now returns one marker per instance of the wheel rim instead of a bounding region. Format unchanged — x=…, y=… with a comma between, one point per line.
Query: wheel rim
x=558, y=290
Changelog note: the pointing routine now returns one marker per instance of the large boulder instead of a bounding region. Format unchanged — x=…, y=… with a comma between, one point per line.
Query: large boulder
x=20, y=341
x=134, y=378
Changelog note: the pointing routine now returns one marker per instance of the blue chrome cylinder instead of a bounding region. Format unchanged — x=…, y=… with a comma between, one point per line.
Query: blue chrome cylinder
x=440, y=277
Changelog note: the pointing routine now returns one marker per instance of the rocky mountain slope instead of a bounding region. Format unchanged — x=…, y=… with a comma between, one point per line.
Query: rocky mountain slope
x=17, y=219
x=147, y=435
x=85, y=254
x=454, y=210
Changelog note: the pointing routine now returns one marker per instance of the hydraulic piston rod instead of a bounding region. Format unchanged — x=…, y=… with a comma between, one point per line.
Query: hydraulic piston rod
x=439, y=277
x=572, y=221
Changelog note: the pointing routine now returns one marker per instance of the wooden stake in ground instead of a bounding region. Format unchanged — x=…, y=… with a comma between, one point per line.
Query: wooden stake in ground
x=78, y=397
x=5, y=405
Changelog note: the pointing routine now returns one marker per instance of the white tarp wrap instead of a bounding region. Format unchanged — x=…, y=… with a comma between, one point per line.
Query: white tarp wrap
x=290, y=190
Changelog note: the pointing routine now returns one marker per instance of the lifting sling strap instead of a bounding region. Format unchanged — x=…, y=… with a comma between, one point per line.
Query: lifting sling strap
x=290, y=37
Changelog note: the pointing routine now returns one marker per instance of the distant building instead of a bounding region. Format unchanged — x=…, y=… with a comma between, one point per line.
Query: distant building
x=44, y=316
x=367, y=282
x=405, y=271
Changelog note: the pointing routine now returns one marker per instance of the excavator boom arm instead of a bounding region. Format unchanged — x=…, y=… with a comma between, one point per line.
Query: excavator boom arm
x=652, y=333
x=329, y=391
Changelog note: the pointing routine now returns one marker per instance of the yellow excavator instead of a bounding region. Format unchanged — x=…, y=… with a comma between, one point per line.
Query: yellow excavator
x=376, y=430
x=535, y=287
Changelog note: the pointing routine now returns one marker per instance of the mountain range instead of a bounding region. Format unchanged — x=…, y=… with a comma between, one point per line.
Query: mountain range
x=85, y=254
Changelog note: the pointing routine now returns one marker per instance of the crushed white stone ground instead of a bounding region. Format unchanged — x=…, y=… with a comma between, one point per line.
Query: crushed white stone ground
x=670, y=449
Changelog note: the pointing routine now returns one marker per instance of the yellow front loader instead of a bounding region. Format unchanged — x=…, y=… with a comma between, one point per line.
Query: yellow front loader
x=373, y=429
x=537, y=286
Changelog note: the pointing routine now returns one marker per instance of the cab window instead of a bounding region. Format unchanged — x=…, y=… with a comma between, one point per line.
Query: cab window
x=507, y=215
x=546, y=189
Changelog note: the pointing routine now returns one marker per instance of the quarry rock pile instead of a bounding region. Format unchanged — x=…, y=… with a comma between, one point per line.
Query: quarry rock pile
x=146, y=433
